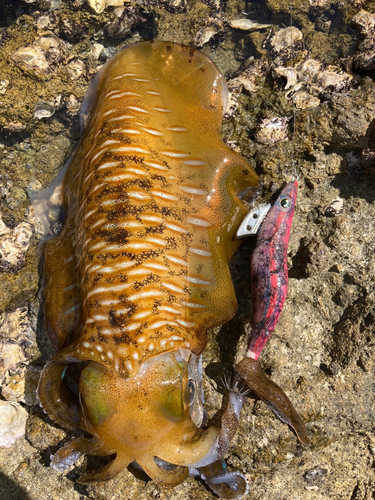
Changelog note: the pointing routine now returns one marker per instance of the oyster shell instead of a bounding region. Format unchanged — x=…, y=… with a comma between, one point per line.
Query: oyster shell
x=14, y=244
x=290, y=74
x=247, y=25
x=12, y=423
x=15, y=330
x=75, y=68
x=43, y=109
x=303, y=100
x=286, y=38
x=99, y=5
x=213, y=26
x=272, y=130
x=335, y=208
x=3, y=86
x=31, y=59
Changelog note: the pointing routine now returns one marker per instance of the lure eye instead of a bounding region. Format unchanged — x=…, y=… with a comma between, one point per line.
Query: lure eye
x=191, y=391
x=285, y=203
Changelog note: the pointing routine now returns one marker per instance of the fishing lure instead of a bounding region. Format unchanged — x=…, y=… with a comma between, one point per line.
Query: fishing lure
x=269, y=281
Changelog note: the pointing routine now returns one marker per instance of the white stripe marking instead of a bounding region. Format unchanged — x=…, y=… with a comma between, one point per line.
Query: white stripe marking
x=138, y=108
x=163, y=110
x=194, y=305
x=122, y=117
x=193, y=190
x=175, y=154
x=177, y=129
x=187, y=324
x=176, y=260
x=108, y=164
x=194, y=163
x=200, y=251
x=158, y=166
x=198, y=281
x=196, y=221
x=165, y=195
x=175, y=227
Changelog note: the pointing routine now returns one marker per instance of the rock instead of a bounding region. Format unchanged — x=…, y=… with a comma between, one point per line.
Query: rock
x=314, y=256
x=12, y=423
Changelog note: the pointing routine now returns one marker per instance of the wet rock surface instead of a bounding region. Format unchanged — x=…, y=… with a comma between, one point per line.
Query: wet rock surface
x=321, y=92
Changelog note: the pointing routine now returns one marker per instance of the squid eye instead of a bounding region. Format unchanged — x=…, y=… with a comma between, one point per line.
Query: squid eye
x=285, y=203
x=191, y=391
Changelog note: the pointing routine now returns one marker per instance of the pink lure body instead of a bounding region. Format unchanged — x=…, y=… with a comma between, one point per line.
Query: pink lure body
x=269, y=269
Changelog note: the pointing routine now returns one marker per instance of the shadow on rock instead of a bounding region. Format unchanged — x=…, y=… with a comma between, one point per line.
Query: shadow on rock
x=11, y=490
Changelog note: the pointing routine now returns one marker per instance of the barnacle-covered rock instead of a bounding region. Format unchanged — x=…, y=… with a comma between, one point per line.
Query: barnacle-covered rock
x=320, y=3
x=12, y=423
x=14, y=244
x=314, y=256
x=272, y=130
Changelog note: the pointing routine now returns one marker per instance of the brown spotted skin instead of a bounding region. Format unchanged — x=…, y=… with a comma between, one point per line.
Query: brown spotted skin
x=152, y=204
